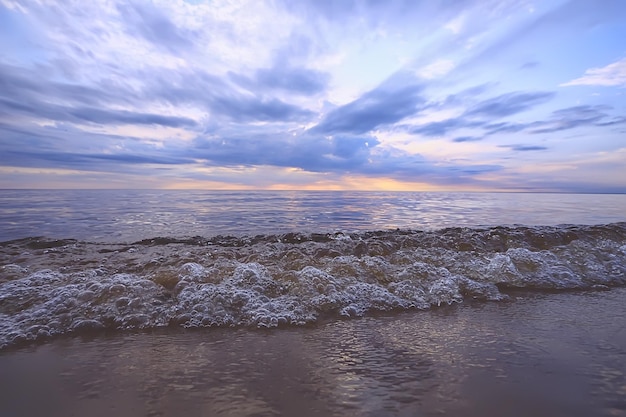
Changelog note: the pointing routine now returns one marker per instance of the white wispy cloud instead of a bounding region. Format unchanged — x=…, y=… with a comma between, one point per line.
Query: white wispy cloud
x=456, y=25
x=437, y=69
x=611, y=75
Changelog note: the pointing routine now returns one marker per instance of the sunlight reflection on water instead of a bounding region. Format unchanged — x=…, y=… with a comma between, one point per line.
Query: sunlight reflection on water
x=127, y=215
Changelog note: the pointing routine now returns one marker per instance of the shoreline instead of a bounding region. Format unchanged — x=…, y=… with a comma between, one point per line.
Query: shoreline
x=544, y=354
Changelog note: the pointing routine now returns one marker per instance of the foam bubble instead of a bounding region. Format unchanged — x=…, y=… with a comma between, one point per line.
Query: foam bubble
x=292, y=279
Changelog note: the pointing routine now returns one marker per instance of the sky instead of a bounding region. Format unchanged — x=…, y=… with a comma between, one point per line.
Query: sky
x=450, y=95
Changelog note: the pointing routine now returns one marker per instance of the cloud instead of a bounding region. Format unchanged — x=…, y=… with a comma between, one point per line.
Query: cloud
x=242, y=109
x=443, y=127
x=298, y=80
x=153, y=25
x=456, y=25
x=529, y=65
x=309, y=152
x=197, y=88
x=89, y=161
x=467, y=139
x=437, y=69
x=612, y=122
x=558, y=25
x=62, y=146
x=374, y=13
x=59, y=147
x=572, y=117
x=466, y=96
x=509, y=104
x=611, y=75
x=341, y=154
x=525, y=148
x=91, y=115
x=504, y=127
x=562, y=119
x=319, y=86
x=127, y=117
x=379, y=107
x=37, y=85
x=26, y=94
x=295, y=80
x=497, y=107
x=220, y=98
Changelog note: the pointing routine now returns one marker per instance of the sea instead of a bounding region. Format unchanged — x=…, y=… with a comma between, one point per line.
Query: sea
x=282, y=303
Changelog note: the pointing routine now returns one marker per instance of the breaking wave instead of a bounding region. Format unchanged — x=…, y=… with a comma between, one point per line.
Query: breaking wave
x=52, y=287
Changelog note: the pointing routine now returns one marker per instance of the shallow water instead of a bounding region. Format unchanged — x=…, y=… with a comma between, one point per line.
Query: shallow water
x=537, y=354
x=49, y=287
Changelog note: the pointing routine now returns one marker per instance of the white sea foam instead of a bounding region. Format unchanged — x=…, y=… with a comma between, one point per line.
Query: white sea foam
x=290, y=280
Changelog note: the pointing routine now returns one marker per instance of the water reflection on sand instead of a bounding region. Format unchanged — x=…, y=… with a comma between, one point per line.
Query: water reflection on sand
x=541, y=355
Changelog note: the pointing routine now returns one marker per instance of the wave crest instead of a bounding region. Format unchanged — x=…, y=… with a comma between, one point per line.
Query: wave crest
x=55, y=287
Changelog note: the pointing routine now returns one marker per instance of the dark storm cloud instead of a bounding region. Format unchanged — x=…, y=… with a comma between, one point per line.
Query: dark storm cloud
x=150, y=23
x=379, y=107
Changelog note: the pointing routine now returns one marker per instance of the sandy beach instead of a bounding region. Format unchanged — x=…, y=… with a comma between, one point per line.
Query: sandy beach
x=540, y=354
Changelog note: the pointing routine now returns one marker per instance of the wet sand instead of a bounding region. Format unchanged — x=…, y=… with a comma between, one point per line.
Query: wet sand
x=540, y=354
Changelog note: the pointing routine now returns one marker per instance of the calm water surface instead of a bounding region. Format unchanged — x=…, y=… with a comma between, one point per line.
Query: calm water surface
x=127, y=215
